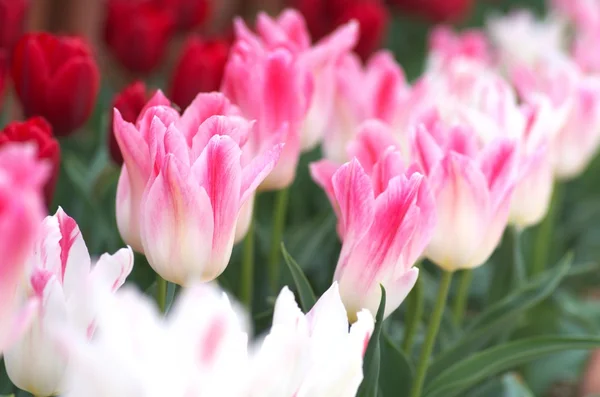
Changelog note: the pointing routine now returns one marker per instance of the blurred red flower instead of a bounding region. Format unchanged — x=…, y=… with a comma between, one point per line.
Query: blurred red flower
x=436, y=11
x=12, y=22
x=56, y=77
x=38, y=131
x=188, y=14
x=130, y=102
x=3, y=73
x=137, y=33
x=323, y=16
x=199, y=69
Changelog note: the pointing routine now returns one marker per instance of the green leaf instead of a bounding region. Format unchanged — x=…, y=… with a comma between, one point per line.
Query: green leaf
x=372, y=361
x=495, y=320
x=305, y=291
x=480, y=366
x=396, y=372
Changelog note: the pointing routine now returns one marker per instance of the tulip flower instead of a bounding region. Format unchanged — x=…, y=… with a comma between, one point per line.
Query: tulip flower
x=22, y=177
x=137, y=33
x=472, y=185
x=385, y=219
x=38, y=131
x=376, y=91
x=61, y=278
x=56, y=77
x=184, y=183
x=12, y=22
x=273, y=88
x=189, y=14
x=311, y=355
x=446, y=45
x=199, y=69
x=132, y=102
x=203, y=336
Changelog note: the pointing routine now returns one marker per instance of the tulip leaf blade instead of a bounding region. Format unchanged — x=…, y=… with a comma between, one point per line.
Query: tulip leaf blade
x=305, y=291
x=494, y=320
x=372, y=359
x=490, y=362
x=396, y=373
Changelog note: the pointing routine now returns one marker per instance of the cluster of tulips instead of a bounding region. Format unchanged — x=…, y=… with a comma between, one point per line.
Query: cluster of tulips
x=432, y=170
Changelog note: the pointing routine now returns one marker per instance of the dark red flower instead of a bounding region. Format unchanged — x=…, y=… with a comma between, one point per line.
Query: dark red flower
x=130, y=102
x=38, y=131
x=137, y=33
x=188, y=14
x=437, y=11
x=3, y=73
x=56, y=77
x=12, y=22
x=199, y=69
x=324, y=16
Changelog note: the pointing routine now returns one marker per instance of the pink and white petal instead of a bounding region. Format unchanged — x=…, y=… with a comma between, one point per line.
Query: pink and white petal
x=165, y=114
x=18, y=319
x=373, y=139
x=112, y=270
x=338, y=42
x=244, y=219
x=292, y=22
x=426, y=150
x=327, y=320
x=259, y=168
x=389, y=165
x=74, y=256
x=464, y=208
x=133, y=145
x=284, y=172
x=177, y=229
x=175, y=144
x=425, y=226
x=287, y=312
x=322, y=174
x=158, y=99
x=397, y=290
x=499, y=163
x=236, y=127
x=127, y=212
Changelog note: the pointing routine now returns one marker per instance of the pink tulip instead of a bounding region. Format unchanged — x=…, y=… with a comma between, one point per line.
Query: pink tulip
x=60, y=278
x=445, y=46
x=289, y=30
x=22, y=178
x=472, y=186
x=376, y=91
x=385, y=219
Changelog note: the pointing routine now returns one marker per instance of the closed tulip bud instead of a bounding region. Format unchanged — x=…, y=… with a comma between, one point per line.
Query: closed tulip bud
x=12, y=22
x=386, y=217
x=189, y=14
x=304, y=347
x=131, y=103
x=199, y=69
x=137, y=33
x=472, y=187
x=61, y=278
x=39, y=132
x=22, y=177
x=56, y=77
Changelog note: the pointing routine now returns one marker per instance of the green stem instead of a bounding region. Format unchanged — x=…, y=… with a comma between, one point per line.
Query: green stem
x=279, y=214
x=161, y=293
x=246, y=288
x=520, y=275
x=460, y=300
x=414, y=313
x=543, y=240
x=434, y=325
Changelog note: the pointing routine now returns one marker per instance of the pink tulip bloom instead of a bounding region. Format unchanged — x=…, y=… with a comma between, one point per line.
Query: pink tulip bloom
x=472, y=185
x=289, y=30
x=60, y=278
x=22, y=178
x=445, y=46
x=312, y=355
x=385, y=219
x=376, y=91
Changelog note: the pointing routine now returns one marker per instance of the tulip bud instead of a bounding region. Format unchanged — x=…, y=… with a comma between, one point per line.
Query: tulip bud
x=38, y=131
x=12, y=22
x=189, y=14
x=61, y=277
x=199, y=69
x=22, y=177
x=472, y=188
x=386, y=217
x=56, y=77
x=137, y=33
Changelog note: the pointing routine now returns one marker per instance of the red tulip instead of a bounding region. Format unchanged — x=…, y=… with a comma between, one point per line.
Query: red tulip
x=437, y=10
x=323, y=16
x=12, y=22
x=188, y=14
x=137, y=33
x=3, y=72
x=199, y=69
x=130, y=103
x=38, y=131
x=56, y=77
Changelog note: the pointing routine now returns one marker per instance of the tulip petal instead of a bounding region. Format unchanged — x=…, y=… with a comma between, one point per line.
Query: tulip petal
x=201, y=108
x=112, y=270
x=237, y=128
x=255, y=173
x=74, y=256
